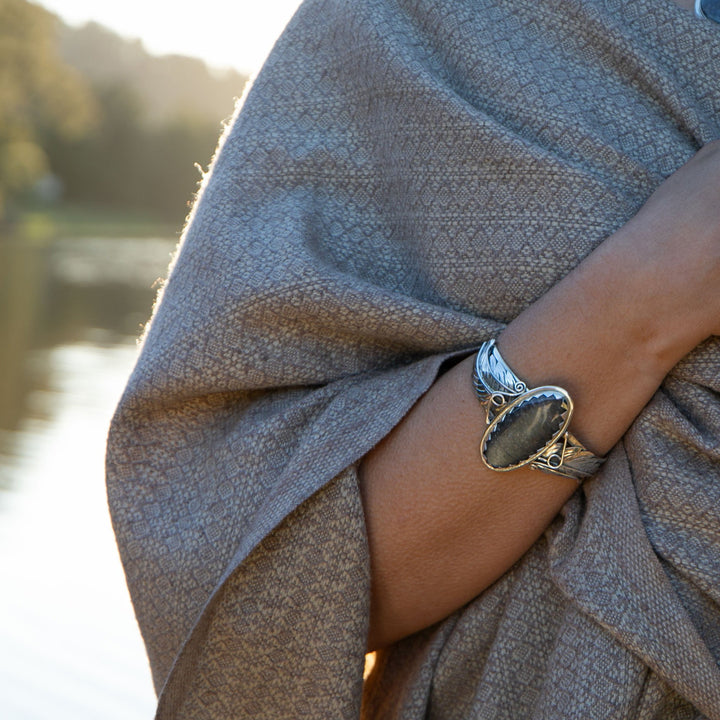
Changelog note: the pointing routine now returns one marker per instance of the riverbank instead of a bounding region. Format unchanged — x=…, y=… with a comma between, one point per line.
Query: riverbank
x=44, y=224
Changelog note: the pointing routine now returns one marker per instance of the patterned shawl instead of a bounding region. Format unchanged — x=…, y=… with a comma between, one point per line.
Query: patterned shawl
x=402, y=179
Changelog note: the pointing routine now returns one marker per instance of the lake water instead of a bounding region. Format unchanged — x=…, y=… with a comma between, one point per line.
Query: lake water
x=70, y=314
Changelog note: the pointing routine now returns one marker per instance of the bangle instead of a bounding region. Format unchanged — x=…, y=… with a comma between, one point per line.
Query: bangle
x=527, y=426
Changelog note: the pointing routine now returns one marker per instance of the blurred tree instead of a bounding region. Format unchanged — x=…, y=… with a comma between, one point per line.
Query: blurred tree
x=175, y=152
x=38, y=94
x=99, y=166
x=167, y=86
x=127, y=163
x=115, y=125
x=158, y=118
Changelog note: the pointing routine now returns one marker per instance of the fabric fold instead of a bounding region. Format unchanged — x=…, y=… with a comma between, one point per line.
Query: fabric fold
x=248, y=655
x=629, y=594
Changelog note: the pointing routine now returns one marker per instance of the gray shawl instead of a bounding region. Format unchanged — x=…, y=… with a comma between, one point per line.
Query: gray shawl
x=402, y=179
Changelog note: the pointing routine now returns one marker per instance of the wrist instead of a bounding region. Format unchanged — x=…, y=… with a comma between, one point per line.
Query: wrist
x=598, y=335
x=659, y=325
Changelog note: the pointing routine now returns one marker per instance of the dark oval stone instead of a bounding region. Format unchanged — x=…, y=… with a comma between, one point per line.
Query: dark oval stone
x=525, y=428
x=711, y=8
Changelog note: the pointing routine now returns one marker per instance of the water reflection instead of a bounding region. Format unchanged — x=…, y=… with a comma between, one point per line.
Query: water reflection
x=73, y=290
x=69, y=316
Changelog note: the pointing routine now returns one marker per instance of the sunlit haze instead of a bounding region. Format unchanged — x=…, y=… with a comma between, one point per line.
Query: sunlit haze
x=235, y=34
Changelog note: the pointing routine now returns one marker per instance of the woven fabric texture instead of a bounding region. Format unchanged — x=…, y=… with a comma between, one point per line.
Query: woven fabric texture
x=401, y=180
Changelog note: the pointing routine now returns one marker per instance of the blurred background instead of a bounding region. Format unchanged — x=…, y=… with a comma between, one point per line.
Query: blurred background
x=108, y=112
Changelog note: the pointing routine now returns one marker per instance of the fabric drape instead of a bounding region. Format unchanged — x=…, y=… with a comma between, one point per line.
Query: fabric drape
x=401, y=180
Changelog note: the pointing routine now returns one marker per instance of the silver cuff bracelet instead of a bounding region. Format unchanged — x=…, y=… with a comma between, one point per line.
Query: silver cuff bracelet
x=527, y=426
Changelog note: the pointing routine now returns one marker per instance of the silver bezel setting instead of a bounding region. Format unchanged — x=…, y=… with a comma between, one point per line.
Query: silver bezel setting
x=549, y=392
x=501, y=392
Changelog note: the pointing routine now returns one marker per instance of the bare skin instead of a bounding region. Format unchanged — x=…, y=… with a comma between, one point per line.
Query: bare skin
x=441, y=526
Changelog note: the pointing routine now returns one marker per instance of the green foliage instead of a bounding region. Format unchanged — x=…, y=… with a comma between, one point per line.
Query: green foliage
x=125, y=163
x=22, y=162
x=37, y=90
x=159, y=117
x=38, y=94
x=118, y=127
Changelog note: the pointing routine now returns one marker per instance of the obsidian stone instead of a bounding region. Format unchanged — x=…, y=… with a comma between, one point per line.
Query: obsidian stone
x=525, y=429
x=711, y=8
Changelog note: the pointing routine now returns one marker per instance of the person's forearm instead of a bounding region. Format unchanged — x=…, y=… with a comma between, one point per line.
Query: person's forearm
x=442, y=527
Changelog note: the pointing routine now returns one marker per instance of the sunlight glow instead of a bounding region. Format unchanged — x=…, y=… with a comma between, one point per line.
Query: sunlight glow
x=225, y=34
